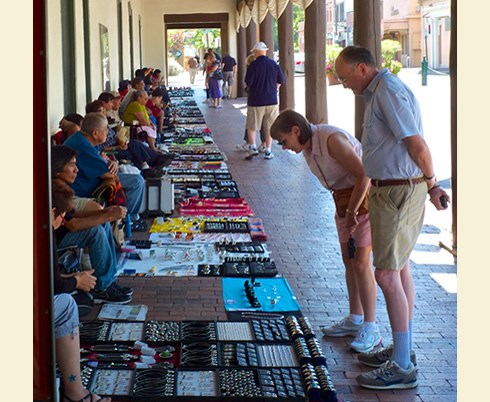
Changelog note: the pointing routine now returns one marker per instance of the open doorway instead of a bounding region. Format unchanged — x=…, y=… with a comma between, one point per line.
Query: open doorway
x=183, y=45
x=188, y=33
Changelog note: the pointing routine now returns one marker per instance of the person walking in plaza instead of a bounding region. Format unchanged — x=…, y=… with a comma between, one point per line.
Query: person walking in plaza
x=192, y=63
x=399, y=163
x=263, y=79
x=228, y=66
x=334, y=157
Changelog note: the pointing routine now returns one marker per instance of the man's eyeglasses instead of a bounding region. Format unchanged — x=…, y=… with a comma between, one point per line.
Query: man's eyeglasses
x=344, y=80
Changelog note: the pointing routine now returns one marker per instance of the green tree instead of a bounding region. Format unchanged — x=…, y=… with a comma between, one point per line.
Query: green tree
x=389, y=50
x=298, y=16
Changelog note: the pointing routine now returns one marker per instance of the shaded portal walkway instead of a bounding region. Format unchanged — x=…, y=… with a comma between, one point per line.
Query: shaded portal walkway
x=298, y=219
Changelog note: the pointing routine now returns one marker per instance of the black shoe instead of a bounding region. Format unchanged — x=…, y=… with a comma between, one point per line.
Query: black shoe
x=125, y=290
x=110, y=295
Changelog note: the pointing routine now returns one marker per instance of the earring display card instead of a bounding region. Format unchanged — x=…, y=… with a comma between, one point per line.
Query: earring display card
x=126, y=331
x=196, y=383
x=112, y=382
x=103, y=331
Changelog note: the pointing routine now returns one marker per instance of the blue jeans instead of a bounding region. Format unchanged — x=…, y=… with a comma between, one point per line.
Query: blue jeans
x=137, y=152
x=100, y=241
x=133, y=185
x=65, y=315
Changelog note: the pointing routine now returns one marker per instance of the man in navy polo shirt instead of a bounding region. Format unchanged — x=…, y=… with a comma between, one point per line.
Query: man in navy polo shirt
x=263, y=79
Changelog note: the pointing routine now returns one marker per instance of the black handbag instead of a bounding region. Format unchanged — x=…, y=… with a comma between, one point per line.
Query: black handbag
x=70, y=261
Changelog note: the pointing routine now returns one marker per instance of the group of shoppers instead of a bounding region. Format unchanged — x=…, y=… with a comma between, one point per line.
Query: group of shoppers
x=379, y=185
x=392, y=167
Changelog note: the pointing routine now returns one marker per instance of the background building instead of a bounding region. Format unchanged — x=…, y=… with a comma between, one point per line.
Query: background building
x=401, y=21
x=436, y=22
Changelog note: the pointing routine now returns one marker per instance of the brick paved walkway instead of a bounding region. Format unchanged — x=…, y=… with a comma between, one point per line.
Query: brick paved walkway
x=298, y=219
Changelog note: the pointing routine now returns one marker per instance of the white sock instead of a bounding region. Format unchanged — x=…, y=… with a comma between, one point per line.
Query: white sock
x=356, y=318
x=144, y=165
x=267, y=150
x=370, y=325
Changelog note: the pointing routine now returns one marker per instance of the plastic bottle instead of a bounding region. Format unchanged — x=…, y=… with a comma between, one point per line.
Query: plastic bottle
x=128, y=231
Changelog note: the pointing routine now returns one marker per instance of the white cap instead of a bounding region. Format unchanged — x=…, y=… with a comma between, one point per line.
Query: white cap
x=260, y=46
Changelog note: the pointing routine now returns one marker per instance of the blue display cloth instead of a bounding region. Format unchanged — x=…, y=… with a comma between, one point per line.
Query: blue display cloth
x=274, y=295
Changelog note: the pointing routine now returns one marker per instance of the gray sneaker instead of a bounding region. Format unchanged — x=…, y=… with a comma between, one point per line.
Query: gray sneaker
x=342, y=328
x=377, y=358
x=389, y=376
x=251, y=153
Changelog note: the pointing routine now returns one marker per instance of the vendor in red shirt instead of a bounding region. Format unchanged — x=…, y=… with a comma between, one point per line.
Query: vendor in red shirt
x=154, y=105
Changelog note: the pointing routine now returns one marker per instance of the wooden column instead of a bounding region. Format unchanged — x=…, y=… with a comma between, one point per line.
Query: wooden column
x=242, y=53
x=367, y=33
x=266, y=34
x=286, y=57
x=315, y=74
x=225, y=45
x=251, y=33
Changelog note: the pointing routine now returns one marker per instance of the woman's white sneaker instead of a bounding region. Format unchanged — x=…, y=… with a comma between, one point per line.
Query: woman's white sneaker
x=366, y=339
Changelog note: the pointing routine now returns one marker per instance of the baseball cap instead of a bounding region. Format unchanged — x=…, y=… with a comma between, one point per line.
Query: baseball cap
x=116, y=94
x=260, y=46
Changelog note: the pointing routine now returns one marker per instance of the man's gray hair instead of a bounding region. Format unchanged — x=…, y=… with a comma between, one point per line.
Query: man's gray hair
x=93, y=121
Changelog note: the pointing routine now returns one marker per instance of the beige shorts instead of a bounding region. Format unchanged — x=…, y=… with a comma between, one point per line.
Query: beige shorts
x=397, y=215
x=261, y=116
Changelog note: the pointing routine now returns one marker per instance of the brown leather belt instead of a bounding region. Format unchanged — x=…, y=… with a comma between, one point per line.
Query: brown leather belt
x=396, y=182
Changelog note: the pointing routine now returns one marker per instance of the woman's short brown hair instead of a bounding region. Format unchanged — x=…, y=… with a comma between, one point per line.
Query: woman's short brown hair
x=285, y=122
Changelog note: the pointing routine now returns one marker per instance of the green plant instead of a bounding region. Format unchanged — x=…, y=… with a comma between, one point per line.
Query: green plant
x=332, y=52
x=174, y=68
x=389, y=50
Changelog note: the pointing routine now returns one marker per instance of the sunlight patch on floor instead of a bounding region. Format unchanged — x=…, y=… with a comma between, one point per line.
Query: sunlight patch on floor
x=448, y=281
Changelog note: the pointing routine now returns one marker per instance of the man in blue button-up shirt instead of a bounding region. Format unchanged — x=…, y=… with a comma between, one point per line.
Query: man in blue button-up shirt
x=399, y=163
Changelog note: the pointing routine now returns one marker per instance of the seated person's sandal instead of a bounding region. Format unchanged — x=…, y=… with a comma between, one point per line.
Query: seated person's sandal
x=84, y=399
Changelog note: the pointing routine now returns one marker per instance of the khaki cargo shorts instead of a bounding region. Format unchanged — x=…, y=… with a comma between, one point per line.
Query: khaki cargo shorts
x=261, y=117
x=397, y=215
